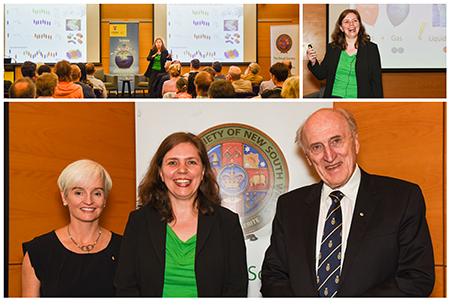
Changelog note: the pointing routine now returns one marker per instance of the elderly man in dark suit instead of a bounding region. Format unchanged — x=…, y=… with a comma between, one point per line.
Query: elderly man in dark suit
x=352, y=234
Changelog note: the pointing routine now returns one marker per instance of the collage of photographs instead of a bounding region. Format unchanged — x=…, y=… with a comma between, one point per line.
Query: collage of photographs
x=329, y=181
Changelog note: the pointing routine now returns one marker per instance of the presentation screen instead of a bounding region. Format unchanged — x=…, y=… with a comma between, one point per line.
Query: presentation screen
x=208, y=32
x=50, y=33
x=409, y=36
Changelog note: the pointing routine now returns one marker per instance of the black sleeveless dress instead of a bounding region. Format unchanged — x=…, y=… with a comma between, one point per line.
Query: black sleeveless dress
x=63, y=273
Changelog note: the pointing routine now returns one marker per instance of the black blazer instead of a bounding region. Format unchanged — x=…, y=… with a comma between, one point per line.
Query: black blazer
x=220, y=258
x=368, y=70
x=389, y=250
x=164, y=58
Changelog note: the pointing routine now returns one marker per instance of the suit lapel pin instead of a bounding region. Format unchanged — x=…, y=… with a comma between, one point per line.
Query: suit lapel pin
x=361, y=214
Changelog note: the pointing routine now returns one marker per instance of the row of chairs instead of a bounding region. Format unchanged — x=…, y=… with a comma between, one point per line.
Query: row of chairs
x=112, y=82
x=141, y=84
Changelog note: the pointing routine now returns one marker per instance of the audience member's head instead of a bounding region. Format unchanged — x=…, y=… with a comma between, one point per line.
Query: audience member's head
x=234, y=73
x=82, y=67
x=46, y=85
x=254, y=68
x=280, y=71
x=167, y=65
x=76, y=73
x=44, y=69
x=174, y=70
x=195, y=64
x=202, y=82
x=23, y=88
x=63, y=70
x=210, y=70
x=90, y=69
x=291, y=88
x=176, y=62
x=28, y=69
x=182, y=85
x=221, y=89
x=217, y=66
x=288, y=63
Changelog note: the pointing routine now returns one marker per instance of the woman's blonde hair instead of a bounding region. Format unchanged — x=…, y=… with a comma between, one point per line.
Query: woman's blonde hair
x=175, y=70
x=291, y=88
x=81, y=172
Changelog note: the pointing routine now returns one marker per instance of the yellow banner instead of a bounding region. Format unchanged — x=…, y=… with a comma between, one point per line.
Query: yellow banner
x=118, y=30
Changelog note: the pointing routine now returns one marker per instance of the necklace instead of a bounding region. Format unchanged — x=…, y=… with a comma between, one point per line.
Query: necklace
x=88, y=247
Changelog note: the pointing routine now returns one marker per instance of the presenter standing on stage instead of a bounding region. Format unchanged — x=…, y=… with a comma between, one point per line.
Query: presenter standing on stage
x=352, y=64
x=157, y=58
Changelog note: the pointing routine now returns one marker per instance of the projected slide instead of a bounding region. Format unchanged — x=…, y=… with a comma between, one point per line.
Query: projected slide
x=209, y=33
x=408, y=35
x=45, y=33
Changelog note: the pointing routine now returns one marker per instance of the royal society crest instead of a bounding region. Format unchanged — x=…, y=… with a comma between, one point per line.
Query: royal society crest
x=251, y=171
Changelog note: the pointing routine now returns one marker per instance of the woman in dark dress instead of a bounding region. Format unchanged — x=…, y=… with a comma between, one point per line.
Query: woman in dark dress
x=157, y=58
x=80, y=259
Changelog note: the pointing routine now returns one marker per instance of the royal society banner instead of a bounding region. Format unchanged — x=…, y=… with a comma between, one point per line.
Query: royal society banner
x=284, y=41
x=251, y=149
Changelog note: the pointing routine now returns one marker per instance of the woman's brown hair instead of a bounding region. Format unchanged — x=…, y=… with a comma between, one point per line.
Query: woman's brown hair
x=338, y=37
x=153, y=191
x=163, y=47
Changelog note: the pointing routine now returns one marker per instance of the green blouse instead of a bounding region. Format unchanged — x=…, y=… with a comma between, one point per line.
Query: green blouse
x=345, y=85
x=157, y=62
x=179, y=275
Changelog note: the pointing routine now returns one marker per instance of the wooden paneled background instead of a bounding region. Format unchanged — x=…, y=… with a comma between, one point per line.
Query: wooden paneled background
x=408, y=141
x=268, y=15
x=404, y=140
x=395, y=85
x=44, y=138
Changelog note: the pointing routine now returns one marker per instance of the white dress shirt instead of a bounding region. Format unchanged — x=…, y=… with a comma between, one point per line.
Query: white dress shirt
x=350, y=190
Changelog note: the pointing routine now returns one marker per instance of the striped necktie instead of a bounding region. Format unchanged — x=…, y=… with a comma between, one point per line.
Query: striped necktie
x=329, y=268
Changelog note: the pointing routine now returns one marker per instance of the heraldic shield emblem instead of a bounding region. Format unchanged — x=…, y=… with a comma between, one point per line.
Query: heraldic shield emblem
x=251, y=171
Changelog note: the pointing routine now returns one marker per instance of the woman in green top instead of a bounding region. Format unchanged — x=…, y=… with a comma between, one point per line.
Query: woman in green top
x=352, y=64
x=182, y=243
x=157, y=58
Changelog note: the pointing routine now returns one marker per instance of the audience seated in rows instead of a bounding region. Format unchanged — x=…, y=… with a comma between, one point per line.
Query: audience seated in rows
x=88, y=92
x=182, y=85
x=288, y=63
x=240, y=85
x=279, y=73
x=217, y=67
x=194, y=70
x=23, y=88
x=66, y=88
x=46, y=85
x=98, y=84
x=28, y=69
x=250, y=74
x=221, y=89
x=211, y=71
x=83, y=77
x=202, y=82
x=291, y=88
x=43, y=69
x=170, y=85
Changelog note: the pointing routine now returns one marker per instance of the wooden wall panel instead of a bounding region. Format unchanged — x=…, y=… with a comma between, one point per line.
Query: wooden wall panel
x=314, y=28
x=44, y=139
x=395, y=85
x=127, y=12
x=406, y=141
